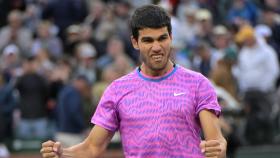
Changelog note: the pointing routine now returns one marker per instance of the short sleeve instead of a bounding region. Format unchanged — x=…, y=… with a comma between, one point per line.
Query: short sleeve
x=106, y=113
x=206, y=97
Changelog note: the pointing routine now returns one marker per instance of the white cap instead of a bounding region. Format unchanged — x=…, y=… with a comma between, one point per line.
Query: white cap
x=220, y=30
x=203, y=14
x=87, y=50
x=263, y=30
x=11, y=49
x=190, y=11
x=73, y=29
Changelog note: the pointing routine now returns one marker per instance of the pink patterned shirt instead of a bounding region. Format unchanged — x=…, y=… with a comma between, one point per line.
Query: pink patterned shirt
x=157, y=117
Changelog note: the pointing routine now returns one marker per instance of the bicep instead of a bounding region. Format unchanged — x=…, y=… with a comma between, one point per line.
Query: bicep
x=99, y=138
x=210, y=125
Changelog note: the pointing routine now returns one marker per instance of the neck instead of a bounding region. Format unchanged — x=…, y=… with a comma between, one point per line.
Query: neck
x=159, y=72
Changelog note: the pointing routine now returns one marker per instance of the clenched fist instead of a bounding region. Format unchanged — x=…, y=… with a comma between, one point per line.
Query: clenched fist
x=51, y=149
x=213, y=148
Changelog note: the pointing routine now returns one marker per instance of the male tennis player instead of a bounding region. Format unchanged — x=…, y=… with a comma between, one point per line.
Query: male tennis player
x=159, y=108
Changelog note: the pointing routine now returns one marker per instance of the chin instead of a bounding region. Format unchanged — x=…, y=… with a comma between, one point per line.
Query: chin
x=158, y=66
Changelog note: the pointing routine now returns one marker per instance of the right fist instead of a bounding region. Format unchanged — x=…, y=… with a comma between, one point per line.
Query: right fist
x=51, y=149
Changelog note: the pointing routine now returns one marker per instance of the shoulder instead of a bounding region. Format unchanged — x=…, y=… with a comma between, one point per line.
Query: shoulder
x=189, y=74
x=193, y=78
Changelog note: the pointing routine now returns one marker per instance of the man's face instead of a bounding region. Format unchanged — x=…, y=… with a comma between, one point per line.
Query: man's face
x=154, y=46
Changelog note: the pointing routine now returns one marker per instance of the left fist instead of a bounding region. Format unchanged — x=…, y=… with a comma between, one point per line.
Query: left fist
x=213, y=148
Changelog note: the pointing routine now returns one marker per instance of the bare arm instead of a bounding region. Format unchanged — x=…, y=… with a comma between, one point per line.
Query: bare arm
x=214, y=144
x=92, y=147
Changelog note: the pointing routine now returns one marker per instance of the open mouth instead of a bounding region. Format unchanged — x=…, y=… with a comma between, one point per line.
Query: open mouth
x=157, y=57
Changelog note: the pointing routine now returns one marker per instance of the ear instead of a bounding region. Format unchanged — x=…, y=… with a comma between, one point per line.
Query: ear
x=134, y=42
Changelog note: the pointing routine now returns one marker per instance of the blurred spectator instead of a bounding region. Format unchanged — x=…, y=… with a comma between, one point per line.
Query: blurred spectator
x=222, y=76
x=115, y=54
x=70, y=119
x=273, y=4
x=190, y=26
x=59, y=77
x=31, y=17
x=14, y=33
x=8, y=103
x=108, y=74
x=4, y=152
x=95, y=15
x=259, y=128
x=205, y=25
x=46, y=40
x=177, y=30
x=204, y=59
x=269, y=17
x=255, y=61
x=263, y=31
x=65, y=13
x=7, y=6
x=72, y=39
x=33, y=93
x=86, y=66
x=103, y=23
x=121, y=14
x=45, y=64
x=7, y=106
x=243, y=10
x=10, y=61
x=181, y=55
x=184, y=6
x=226, y=56
x=222, y=43
x=87, y=36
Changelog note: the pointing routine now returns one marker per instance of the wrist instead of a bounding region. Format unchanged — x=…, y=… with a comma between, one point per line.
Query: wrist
x=224, y=148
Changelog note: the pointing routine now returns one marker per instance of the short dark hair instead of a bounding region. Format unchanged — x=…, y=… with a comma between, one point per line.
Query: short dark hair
x=149, y=16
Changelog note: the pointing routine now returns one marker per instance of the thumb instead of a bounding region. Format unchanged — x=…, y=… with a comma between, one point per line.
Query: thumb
x=202, y=146
x=57, y=147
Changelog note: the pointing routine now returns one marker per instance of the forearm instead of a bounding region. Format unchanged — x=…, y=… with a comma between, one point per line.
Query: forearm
x=83, y=150
x=213, y=134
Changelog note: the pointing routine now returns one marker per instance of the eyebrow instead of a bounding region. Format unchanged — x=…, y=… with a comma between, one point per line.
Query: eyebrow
x=154, y=38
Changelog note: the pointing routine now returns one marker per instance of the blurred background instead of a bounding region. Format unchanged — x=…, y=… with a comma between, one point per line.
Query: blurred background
x=58, y=56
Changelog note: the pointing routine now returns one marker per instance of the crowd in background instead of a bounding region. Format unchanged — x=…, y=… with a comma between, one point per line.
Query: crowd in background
x=57, y=57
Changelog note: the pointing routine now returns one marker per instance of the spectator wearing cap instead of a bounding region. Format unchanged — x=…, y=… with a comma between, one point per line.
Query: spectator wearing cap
x=69, y=111
x=15, y=33
x=257, y=66
x=10, y=57
x=263, y=31
x=10, y=63
x=226, y=54
x=205, y=24
x=222, y=44
x=189, y=24
x=72, y=39
x=86, y=65
x=46, y=40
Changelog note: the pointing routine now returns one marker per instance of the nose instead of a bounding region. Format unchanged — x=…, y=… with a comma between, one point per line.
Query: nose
x=156, y=47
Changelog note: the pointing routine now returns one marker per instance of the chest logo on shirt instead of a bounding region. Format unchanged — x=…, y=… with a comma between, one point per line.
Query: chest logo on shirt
x=178, y=94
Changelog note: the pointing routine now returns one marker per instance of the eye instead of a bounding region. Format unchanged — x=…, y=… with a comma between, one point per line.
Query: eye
x=162, y=38
x=147, y=40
